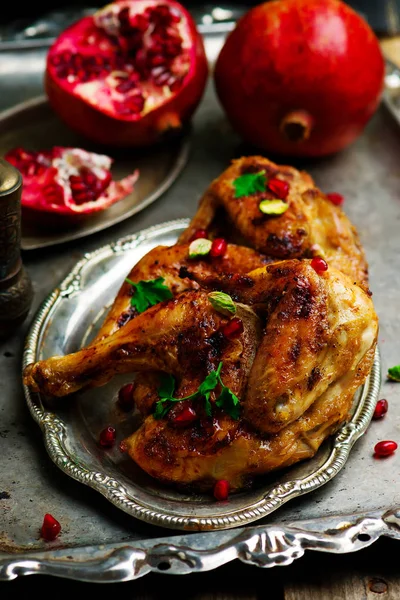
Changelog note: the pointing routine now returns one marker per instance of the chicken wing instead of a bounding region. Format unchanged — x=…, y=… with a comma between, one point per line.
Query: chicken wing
x=311, y=226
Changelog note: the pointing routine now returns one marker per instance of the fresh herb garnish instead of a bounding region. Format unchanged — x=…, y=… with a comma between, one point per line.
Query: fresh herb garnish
x=222, y=303
x=394, y=373
x=148, y=293
x=250, y=183
x=226, y=401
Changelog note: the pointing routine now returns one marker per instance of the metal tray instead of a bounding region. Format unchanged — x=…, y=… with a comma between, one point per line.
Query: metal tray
x=65, y=322
x=34, y=125
x=101, y=543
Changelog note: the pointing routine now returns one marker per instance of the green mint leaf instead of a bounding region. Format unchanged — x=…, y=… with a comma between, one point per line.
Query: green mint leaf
x=394, y=373
x=223, y=303
x=273, y=207
x=250, y=183
x=229, y=403
x=148, y=293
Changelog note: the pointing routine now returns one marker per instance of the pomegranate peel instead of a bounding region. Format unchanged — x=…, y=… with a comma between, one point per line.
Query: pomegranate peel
x=130, y=73
x=68, y=181
x=292, y=76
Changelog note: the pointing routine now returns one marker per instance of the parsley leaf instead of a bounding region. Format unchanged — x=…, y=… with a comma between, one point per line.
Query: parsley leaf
x=167, y=386
x=210, y=382
x=250, y=183
x=394, y=373
x=148, y=293
x=226, y=400
x=229, y=402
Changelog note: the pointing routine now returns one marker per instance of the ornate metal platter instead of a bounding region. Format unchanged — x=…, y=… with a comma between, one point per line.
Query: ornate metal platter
x=33, y=125
x=66, y=320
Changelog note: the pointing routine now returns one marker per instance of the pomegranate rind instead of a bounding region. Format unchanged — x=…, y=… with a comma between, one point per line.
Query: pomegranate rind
x=318, y=58
x=99, y=123
x=59, y=164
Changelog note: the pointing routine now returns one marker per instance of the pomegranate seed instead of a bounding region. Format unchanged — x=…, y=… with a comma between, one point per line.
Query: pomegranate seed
x=199, y=234
x=233, y=329
x=123, y=447
x=218, y=248
x=50, y=528
x=221, y=489
x=107, y=437
x=125, y=396
x=279, y=188
x=381, y=409
x=335, y=198
x=385, y=448
x=319, y=265
x=185, y=417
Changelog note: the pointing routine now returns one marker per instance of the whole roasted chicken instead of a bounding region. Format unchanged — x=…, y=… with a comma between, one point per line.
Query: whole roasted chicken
x=239, y=387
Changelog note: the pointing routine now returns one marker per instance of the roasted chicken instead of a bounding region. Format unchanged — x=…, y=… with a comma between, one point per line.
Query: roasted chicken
x=311, y=226
x=307, y=343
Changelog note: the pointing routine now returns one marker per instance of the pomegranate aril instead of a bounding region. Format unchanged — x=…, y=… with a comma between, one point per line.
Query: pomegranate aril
x=125, y=396
x=123, y=447
x=221, y=489
x=335, y=198
x=218, y=247
x=385, y=448
x=175, y=84
x=279, y=187
x=126, y=86
x=381, y=409
x=186, y=416
x=233, y=329
x=107, y=437
x=50, y=528
x=319, y=265
x=199, y=234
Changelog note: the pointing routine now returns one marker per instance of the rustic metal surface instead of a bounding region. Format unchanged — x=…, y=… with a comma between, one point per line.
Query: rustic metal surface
x=33, y=125
x=65, y=322
x=97, y=537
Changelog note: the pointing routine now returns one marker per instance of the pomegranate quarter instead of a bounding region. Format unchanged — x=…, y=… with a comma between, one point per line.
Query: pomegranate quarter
x=131, y=72
x=300, y=77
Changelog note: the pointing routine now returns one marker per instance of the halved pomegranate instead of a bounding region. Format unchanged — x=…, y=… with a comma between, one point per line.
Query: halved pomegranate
x=129, y=73
x=69, y=182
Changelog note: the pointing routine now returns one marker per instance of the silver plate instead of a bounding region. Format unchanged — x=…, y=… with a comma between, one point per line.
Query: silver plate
x=391, y=95
x=33, y=125
x=68, y=319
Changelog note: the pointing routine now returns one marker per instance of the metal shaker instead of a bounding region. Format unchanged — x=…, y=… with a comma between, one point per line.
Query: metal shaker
x=16, y=292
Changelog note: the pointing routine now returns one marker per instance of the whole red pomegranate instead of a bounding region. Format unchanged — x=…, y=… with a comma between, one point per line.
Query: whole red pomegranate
x=128, y=73
x=300, y=77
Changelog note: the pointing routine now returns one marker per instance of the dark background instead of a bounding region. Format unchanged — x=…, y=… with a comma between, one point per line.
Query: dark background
x=383, y=15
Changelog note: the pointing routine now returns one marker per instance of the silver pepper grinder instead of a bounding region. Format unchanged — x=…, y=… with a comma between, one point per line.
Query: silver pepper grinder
x=16, y=292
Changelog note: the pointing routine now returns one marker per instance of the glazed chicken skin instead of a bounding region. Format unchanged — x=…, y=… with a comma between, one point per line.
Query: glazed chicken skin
x=311, y=226
x=307, y=344
x=179, y=272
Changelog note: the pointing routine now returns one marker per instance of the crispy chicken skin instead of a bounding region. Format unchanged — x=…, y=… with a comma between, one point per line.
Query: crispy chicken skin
x=308, y=344
x=174, y=265
x=311, y=226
